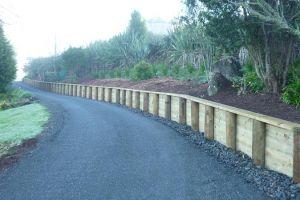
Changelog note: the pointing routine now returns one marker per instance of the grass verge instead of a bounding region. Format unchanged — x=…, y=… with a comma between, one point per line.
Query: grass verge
x=20, y=124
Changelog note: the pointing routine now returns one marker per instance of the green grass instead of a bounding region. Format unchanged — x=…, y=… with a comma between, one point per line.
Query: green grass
x=21, y=123
x=13, y=97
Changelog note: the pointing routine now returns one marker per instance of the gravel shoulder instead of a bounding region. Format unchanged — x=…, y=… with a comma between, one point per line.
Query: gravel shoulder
x=95, y=150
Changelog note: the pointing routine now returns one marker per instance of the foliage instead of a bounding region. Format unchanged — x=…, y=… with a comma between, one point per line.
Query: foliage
x=249, y=82
x=19, y=124
x=291, y=94
x=268, y=29
x=142, y=71
x=7, y=62
x=13, y=98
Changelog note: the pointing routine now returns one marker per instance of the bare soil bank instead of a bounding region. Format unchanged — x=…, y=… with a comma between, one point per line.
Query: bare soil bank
x=264, y=103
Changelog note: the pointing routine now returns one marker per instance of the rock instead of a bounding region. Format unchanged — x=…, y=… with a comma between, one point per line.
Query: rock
x=229, y=68
x=217, y=82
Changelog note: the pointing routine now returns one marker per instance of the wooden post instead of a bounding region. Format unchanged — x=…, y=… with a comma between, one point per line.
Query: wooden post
x=231, y=130
x=146, y=102
x=129, y=99
x=101, y=94
x=168, y=107
x=118, y=96
x=137, y=100
x=209, y=123
x=182, y=111
x=79, y=90
x=90, y=95
x=70, y=89
x=83, y=91
x=296, y=157
x=94, y=93
x=155, y=104
x=66, y=89
x=74, y=90
x=258, y=142
x=123, y=97
x=109, y=95
x=195, y=115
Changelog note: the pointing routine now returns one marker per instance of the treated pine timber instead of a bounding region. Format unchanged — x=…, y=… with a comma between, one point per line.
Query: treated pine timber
x=70, y=89
x=231, y=130
x=94, y=93
x=79, y=90
x=123, y=97
x=296, y=157
x=209, y=123
x=155, y=104
x=168, y=107
x=195, y=115
x=109, y=95
x=258, y=142
x=101, y=94
x=117, y=96
x=146, y=102
x=129, y=98
x=137, y=100
x=182, y=110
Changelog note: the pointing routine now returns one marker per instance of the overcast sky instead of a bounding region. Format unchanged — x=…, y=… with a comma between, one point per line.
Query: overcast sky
x=32, y=25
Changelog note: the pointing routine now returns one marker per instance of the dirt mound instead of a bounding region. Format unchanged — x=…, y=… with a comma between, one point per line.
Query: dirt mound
x=264, y=103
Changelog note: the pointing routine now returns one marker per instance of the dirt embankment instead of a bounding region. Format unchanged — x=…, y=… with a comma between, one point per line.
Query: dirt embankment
x=264, y=103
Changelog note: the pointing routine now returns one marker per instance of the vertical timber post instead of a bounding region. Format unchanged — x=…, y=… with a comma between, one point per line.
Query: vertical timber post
x=146, y=102
x=195, y=115
x=296, y=157
x=231, y=130
x=209, y=123
x=155, y=104
x=123, y=97
x=109, y=95
x=182, y=110
x=258, y=142
x=137, y=100
x=118, y=96
x=168, y=107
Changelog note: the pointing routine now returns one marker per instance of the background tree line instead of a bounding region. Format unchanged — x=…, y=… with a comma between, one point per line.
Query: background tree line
x=253, y=43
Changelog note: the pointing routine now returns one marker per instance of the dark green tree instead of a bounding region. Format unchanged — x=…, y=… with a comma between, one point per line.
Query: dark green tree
x=7, y=62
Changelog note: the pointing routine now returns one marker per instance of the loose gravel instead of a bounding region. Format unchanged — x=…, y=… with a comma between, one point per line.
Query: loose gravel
x=274, y=184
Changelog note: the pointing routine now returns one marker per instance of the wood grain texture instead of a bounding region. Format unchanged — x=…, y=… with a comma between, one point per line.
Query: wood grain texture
x=167, y=107
x=258, y=142
x=209, y=123
x=279, y=150
x=201, y=117
x=146, y=102
x=182, y=110
x=220, y=126
x=195, y=115
x=161, y=111
x=244, y=134
x=175, y=109
x=296, y=157
x=231, y=130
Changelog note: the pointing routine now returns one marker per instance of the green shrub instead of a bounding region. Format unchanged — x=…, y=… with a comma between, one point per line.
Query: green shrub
x=291, y=94
x=142, y=71
x=249, y=81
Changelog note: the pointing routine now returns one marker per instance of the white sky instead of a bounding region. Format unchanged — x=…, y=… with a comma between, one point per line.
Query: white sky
x=32, y=25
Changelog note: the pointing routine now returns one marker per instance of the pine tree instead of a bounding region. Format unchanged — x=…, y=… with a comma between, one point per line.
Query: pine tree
x=7, y=62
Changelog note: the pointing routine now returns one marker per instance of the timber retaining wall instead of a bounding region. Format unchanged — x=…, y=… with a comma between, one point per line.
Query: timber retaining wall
x=272, y=143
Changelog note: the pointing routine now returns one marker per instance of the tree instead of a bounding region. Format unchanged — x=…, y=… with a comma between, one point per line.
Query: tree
x=7, y=62
x=268, y=29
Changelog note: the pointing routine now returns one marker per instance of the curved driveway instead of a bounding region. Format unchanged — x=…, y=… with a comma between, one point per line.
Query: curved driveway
x=106, y=152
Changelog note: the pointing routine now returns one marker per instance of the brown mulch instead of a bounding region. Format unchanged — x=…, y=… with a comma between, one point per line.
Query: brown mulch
x=264, y=103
